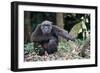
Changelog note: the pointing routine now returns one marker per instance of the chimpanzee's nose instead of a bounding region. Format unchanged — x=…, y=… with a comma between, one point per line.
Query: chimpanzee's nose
x=46, y=29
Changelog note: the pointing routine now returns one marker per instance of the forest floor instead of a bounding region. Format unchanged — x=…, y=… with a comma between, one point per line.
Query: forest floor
x=68, y=51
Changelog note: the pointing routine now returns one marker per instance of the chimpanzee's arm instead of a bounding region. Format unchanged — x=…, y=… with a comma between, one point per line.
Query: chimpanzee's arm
x=61, y=32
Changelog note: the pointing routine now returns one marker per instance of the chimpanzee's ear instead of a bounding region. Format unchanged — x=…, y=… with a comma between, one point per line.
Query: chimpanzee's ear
x=40, y=26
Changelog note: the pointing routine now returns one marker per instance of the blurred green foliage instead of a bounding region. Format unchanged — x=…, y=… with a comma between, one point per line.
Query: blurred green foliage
x=28, y=47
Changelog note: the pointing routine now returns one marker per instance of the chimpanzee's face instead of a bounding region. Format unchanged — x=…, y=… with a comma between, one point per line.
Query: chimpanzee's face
x=46, y=27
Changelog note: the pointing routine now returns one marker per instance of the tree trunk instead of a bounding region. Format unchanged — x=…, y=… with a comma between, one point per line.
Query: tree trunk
x=60, y=20
x=27, y=27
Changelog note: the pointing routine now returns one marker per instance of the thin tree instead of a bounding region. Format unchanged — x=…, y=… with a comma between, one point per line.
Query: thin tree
x=60, y=20
x=27, y=26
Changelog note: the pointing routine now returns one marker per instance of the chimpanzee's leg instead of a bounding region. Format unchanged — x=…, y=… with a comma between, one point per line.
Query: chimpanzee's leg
x=41, y=51
x=52, y=46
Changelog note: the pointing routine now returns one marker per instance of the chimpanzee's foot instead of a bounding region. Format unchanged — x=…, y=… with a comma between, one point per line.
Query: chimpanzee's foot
x=51, y=51
x=41, y=51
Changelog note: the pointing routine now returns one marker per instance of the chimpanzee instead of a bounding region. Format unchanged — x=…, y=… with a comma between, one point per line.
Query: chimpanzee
x=46, y=34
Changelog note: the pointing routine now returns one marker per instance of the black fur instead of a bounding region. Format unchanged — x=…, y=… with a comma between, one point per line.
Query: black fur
x=49, y=40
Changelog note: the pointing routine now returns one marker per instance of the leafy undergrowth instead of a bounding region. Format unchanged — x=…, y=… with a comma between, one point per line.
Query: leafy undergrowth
x=66, y=50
